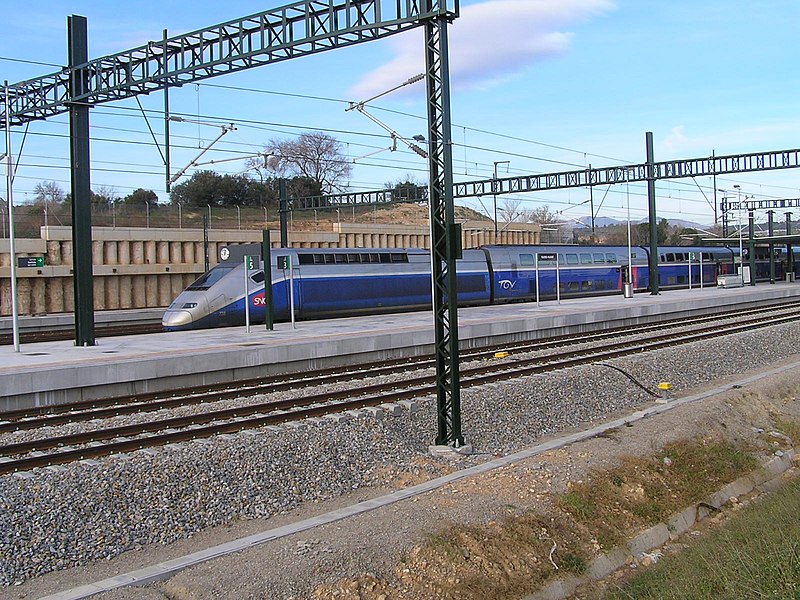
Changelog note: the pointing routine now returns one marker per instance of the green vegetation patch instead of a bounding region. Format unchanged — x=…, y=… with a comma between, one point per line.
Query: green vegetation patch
x=643, y=491
x=502, y=559
x=755, y=555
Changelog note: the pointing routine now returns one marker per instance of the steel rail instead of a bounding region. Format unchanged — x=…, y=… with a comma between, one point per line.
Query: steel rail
x=43, y=416
x=322, y=404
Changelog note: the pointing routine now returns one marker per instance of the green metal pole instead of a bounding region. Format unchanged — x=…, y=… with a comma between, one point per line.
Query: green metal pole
x=771, y=232
x=266, y=254
x=444, y=247
x=751, y=248
x=789, y=255
x=166, y=113
x=283, y=210
x=80, y=181
x=651, y=210
x=206, y=263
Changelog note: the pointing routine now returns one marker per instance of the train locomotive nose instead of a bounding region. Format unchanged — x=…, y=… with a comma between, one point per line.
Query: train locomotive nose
x=174, y=319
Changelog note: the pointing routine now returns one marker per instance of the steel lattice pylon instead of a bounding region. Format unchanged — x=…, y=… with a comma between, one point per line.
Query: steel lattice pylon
x=444, y=244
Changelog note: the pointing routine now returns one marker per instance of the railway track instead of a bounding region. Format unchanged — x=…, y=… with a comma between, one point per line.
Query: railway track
x=61, y=333
x=595, y=348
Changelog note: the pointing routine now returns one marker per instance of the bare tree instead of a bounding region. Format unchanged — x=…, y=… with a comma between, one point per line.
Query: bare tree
x=48, y=192
x=313, y=155
x=510, y=211
x=543, y=216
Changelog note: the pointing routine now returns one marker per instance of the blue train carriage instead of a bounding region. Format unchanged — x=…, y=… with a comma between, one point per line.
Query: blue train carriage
x=324, y=282
x=678, y=265
x=582, y=270
x=342, y=282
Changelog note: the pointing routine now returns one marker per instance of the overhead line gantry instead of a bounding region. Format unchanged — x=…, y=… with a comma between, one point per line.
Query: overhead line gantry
x=301, y=28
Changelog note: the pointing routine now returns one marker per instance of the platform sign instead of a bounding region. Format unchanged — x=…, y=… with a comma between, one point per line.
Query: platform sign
x=283, y=262
x=548, y=258
x=249, y=265
x=30, y=262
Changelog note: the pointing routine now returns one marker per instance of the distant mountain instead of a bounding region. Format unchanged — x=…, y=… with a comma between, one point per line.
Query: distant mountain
x=608, y=221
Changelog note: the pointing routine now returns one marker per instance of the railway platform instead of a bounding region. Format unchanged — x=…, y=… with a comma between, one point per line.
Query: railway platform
x=59, y=372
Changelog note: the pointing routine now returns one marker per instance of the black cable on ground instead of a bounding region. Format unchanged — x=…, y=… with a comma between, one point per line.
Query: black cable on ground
x=631, y=377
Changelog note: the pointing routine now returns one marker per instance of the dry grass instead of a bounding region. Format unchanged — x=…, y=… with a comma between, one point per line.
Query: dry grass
x=515, y=556
x=644, y=491
x=755, y=555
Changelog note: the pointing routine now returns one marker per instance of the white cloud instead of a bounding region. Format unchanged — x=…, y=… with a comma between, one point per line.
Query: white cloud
x=489, y=43
x=677, y=140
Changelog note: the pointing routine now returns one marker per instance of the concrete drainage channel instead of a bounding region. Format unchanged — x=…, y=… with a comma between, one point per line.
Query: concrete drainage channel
x=557, y=590
x=642, y=546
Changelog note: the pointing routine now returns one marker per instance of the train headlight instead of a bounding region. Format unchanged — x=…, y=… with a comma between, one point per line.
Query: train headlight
x=176, y=318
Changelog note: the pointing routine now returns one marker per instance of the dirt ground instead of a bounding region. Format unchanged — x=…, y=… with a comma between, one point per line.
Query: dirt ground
x=381, y=555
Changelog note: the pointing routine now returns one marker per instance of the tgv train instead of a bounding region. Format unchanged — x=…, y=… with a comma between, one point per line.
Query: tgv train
x=347, y=282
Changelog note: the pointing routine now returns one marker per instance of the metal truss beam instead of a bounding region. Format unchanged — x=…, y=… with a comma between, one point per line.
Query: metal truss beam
x=419, y=194
x=674, y=169
x=729, y=204
x=297, y=29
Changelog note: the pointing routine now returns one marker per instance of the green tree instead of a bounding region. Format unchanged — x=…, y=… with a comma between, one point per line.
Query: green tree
x=406, y=189
x=104, y=195
x=210, y=188
x=140, y=196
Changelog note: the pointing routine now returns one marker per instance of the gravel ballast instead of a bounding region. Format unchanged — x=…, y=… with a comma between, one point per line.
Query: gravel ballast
x=62, y=517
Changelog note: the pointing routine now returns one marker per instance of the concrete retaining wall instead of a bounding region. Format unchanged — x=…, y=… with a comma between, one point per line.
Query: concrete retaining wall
x=147, y=268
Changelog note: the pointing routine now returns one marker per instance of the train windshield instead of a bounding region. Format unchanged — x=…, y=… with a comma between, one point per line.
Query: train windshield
x=211, y=277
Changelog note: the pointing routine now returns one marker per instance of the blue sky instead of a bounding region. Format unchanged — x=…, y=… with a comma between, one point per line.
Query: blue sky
x=548, y=86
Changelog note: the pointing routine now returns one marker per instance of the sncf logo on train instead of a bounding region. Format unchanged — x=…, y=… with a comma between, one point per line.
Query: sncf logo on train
x=259, y=300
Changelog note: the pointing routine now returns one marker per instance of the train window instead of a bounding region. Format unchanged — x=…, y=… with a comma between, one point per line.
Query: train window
x=572, y=259
x=374, y=257
x=353, y=258
x=211, y=277
x=526, y=260
x=573, y=286
x=587, y=286
x=670, y=257
x=671, y=280
x=398, y=257
x=601, y=284
x=329, y=259
x=611, y=258
x=706, y=255
x=340, y=258
x=681, y=256
x=599, y=257
x=586, y=258
x=257, y=277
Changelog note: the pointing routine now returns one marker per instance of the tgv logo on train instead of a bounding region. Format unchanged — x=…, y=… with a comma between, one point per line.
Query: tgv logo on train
x=328, y=282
